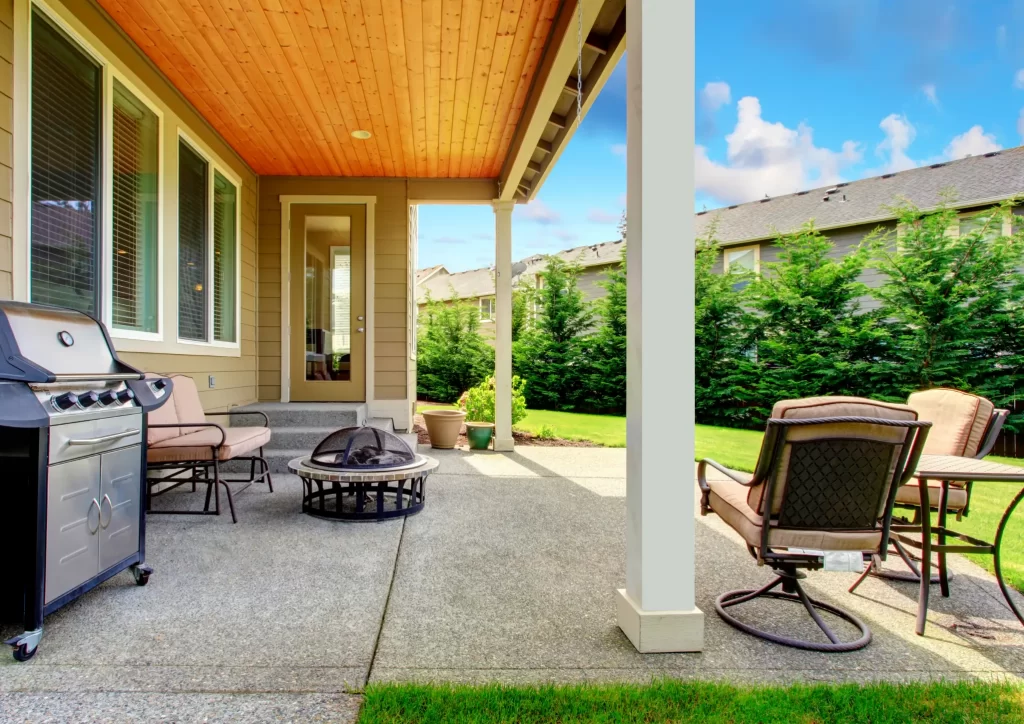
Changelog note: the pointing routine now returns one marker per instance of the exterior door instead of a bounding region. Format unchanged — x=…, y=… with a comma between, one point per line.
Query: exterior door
x=328, y=303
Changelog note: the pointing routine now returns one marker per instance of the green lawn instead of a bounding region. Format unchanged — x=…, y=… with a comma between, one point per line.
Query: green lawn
x=671, y=701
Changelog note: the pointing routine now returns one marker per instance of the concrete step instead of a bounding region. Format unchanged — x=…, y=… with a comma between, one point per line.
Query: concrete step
x=305, y=414
x=298, y=438
x=381, y=423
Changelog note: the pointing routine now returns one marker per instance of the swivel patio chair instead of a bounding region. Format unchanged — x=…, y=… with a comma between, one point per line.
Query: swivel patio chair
x=184, y=448
x=962, y=424
x=825, y=481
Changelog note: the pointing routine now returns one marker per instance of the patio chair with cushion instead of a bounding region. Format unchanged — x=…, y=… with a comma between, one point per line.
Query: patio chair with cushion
x=184, y=448
x=824, y=484
x=962, y=424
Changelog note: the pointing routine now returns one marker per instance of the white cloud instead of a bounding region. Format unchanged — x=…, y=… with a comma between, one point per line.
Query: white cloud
x=1018, y=78
x=619, y=149
x=539, y=212
x=1020, y=123
x=714, y=95
x=930, y=93
x=563, y=235
x=600, y=216
x=1001, y=37
x=973, y=142
x=768, y=158
x=899, y=134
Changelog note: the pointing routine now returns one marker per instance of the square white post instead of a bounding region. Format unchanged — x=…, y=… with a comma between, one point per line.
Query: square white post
x=657, y=609
x=503, y=325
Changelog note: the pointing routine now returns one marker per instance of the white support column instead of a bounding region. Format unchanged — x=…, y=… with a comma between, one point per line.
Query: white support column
x=503, y=325
x=657, y=609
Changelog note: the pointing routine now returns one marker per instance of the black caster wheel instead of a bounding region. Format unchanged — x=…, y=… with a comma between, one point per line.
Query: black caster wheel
x=141, y=574
x=23, y=653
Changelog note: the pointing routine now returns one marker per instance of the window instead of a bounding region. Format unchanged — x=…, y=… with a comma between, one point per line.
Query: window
x=743, y=259
x=65, y=252
x=134, y=213
x=192, y=214
x=487, y=308
x=990, y=222
x=207, y=250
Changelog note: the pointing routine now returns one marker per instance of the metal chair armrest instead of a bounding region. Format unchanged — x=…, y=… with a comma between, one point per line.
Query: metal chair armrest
x=266, y=419
x=223, y=435
x=705, y=489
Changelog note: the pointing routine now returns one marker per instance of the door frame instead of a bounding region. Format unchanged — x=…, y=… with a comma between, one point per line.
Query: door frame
x=286, y=212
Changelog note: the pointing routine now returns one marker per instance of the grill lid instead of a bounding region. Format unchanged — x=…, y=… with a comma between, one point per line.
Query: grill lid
x=362, y=448
x=49, y=344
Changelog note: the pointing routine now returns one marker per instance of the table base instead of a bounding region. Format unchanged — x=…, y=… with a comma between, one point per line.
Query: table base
x=343, y=500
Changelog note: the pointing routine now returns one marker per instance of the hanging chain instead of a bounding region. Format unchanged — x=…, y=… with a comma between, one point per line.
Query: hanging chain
x=579, y=62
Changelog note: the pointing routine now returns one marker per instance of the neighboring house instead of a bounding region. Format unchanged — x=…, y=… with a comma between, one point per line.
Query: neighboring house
x=476, y=286
x=847, y=212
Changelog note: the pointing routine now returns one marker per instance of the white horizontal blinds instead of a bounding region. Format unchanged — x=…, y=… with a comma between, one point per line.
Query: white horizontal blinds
x=225, y=200
x=192, y=224
x=341, y=300
x=65, y=171
x=134, y=213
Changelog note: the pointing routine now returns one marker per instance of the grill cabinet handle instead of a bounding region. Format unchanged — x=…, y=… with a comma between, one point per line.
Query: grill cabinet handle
x=103, y=438
x=88, y=514
x=106, y=499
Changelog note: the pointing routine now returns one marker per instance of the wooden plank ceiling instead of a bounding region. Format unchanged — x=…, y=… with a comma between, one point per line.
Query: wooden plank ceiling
x=440, y=84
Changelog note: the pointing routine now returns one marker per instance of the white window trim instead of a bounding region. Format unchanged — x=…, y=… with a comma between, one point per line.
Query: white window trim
x=164, y=341
x=747, y=247
x=213, y=166
x=954, y=231
x=480, y=308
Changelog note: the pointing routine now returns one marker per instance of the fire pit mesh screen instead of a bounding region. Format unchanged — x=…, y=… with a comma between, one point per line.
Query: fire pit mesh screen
x=362, y=448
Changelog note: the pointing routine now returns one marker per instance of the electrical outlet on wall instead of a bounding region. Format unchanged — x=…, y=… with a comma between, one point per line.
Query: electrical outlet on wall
x=213, y=382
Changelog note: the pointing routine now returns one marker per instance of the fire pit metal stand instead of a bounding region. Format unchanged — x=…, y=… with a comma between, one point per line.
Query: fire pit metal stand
x=362, y=495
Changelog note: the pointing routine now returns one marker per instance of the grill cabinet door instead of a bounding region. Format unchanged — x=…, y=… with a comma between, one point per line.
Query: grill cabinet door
x=120, y=498
x=72, y=548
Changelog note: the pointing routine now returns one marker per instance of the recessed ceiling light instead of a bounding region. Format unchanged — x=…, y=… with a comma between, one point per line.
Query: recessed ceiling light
x=361, y=135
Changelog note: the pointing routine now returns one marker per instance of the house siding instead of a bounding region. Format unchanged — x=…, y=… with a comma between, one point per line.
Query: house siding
x=235, y=371
x=391, y=273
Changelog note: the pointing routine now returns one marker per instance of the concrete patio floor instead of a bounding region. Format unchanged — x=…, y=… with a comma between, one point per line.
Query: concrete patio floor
x=506, y=575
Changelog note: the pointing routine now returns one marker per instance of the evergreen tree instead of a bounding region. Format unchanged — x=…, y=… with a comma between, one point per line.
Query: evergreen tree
x=607, y=385
x=452, y=355
x=552, y=356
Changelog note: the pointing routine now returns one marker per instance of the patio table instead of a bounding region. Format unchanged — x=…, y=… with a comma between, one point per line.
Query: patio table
x=944, y=469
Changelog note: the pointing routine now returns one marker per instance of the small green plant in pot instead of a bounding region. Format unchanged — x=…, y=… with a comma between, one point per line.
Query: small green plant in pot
x=479, y=405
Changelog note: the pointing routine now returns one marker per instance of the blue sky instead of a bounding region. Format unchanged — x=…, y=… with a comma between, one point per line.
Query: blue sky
x=789, y=95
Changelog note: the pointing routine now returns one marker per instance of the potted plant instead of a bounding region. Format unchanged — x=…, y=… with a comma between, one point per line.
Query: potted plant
x=479, y=405
x=443, y=427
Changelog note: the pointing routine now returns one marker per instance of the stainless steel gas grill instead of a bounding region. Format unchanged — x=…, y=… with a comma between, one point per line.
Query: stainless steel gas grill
x=72, y=456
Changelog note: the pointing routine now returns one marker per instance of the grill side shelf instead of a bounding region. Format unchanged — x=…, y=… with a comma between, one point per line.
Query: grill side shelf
x=19, y=407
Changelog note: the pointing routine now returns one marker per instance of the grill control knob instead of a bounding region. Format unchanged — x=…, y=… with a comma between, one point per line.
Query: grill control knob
x=88, y=399
x=125, y=395
x=62, y=403
x=109, y=397
x=159, y=383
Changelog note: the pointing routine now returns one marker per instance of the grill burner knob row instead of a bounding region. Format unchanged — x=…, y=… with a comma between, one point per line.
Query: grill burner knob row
x=125, y=395
x=62, y=403
x=108, y=398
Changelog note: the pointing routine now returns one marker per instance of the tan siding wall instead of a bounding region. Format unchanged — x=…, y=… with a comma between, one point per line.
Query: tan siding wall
x=6, y=145
x=236, y=376
x=391, y=268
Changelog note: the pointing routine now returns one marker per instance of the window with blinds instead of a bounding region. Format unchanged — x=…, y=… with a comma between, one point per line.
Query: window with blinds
x=66, y=99
x=136, y=136
x=192, y=224
x=225, y=200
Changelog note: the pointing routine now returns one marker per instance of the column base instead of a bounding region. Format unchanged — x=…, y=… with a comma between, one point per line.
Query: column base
x=659, y=632
x=504, y=445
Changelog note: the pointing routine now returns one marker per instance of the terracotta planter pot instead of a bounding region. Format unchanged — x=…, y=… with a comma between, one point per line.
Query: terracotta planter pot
x=443, y=426
x=479, y=434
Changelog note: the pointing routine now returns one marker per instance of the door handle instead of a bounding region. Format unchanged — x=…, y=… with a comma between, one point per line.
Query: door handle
x=106, y=499
x=92, y=531
x=359, y=329
x=103, y=438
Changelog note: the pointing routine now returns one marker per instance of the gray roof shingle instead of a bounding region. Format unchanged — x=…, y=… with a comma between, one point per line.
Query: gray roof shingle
x=975, y=180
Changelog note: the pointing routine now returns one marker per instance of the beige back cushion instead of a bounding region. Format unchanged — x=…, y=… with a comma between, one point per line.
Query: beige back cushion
x=812, y=407
x=959, y=420
x=184, y=406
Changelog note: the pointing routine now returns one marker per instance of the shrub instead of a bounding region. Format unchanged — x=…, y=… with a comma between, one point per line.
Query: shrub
x=606, y=391
x=479, y=401
x=546, y=432
x=452, y=356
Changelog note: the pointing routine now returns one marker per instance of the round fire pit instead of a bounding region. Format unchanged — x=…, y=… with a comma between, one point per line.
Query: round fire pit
x=362, y=473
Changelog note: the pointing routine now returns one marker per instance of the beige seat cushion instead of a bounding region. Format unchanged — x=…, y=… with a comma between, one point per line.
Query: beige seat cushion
x=184, y=406
x=910, y=494
x=729, y=501
x=238, y=442
x=814, y=407
x=959, y=420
